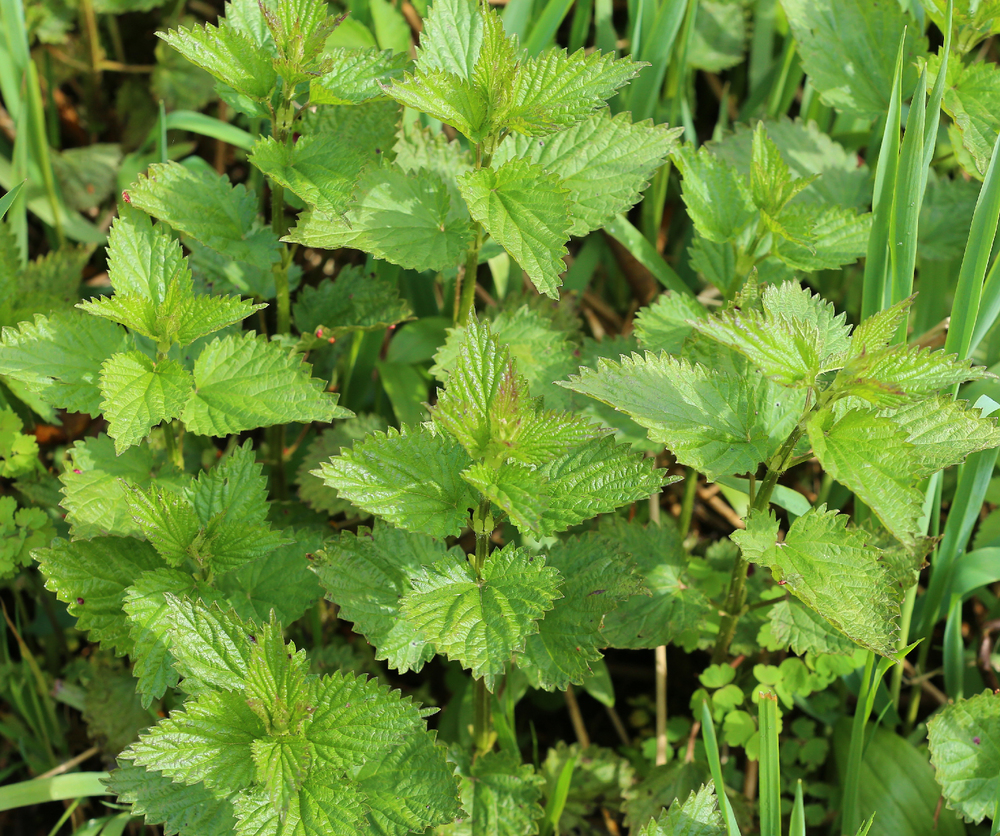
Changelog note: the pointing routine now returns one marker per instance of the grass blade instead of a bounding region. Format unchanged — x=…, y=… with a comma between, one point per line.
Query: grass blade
x=557, y=801
x=715, y=764
x=797, y=825
x=9, y=198
x=658, y=50
x=954, y=661
x=877, y=261
x=57, y=788
x=770, y=767
x=203, y=125
x=645, y=253
x=546, y=24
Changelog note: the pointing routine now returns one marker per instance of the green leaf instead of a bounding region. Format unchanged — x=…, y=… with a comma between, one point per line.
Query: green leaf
x=804, y=630
x=796, y=338
x=871, y=456
x=964, y=739
x=325, y=805
x=179, y=808
x=599, y=779
x=244, y=382
x=665, y=324
x=943, y=432
x=18, y=452
x=839, y=237
x=313, y=491
x=594, y=478
x=229, y=55
x=211, y=647
x=606, y=163
x=22, y=530
x=716, y=196
x=352, y=302
x=452, y=37
x=502, y=795
x=406, y=219
x=970, y=98
x=718, y=423
x=698, y=816
x=486, y=406
x=555, y=89
x=207, y=207
x=111, y=709
x=208, y=741
x=278, y=692
x=367, y=574
x=670, y=605
x=95, y=481
x=771, y=181
x=356, y=719
x=843, y=49
x=319, y=169
x=147, y=610
x=527, y=211
x=92, y=577
x=60, y=357
x=830, y=568
x=282, y=767
x=409, y=788
x=597, y=579
x=139, y=393
x=411, y=478
x=482, y=622
x=354, y=76
x=448, y=98
x=279, y=581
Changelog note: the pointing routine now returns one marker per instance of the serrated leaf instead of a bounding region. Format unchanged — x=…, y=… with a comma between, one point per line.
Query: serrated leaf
x=406, y=219
x=555, y=89
x=207, y=207
x=411, y=478
x=482, y=622
x=319, y=169
x=594, y=478
x=525, y=210
x=844, y=50
x=796, y=338
x=720, y=424
x=280, y=581
x=486, y=406
x=227, y=54
x=665, y=324
x=139, y=393
x=352, y=302
x=943, y=432
x=325, y=805
x=805, y=631
x=147, y=610
x=605, y=161
x=354, y=76
x=886, y=374
x=282, y=766
x=449, y=98
x=503, y=795
x=671, y=603
x=830, y=568
x=838, y=236
x=181, y=809
x=211, y=647
x=332, y=442
x=22, y=530
x=878, y=330
x=60, y=357
x=871, y=456
x=208, y=741
x=716, y=196
x=356, y=719
x=964, y=739
x=697, y=816
x=244, y=382
x=95, y=480
x=92, y=577
x=409, y=788
x=599, y=779
x=771, y=181
x=597, y=579
x=18, y=452
x=971, y=98
x=367, y=574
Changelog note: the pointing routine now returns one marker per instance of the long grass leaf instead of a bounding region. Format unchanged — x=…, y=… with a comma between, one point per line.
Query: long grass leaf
x=954, y=651
x=715, y=765
x=877, y=261
x=57, y=788
x=657, y=49
x=203, y=125
x=645, y=253
x=10, y=197
x=516, y=16
x=770, y=766
x=14, y=63
x=546, y=24
x=40, y=147
x=797, y=823
x=580, y=28
x=557, y=801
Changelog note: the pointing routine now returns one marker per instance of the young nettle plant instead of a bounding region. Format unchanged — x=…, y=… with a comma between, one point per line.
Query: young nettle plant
x=490, y=451
x=777, y=378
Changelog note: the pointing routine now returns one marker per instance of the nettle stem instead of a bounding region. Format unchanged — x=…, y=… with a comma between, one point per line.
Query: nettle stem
x=482, y=720
x=465, y=284
x=736, y=597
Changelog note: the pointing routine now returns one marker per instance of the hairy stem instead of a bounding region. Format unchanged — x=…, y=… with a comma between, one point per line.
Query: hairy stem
x=736, y=597
x=465, y=287
x=482, y=721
